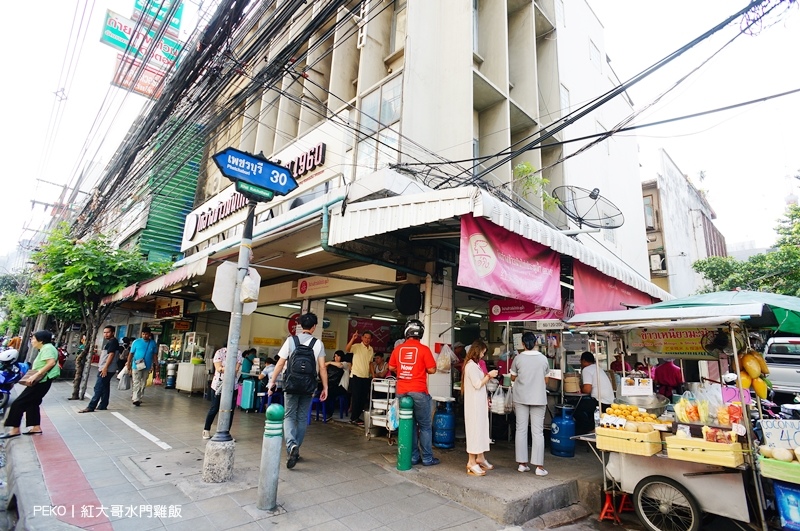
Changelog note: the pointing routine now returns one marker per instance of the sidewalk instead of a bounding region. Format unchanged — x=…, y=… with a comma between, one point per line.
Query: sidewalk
x=140, y=468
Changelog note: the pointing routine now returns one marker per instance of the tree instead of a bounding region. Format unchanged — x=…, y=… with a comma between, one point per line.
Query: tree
x=79, y=273
x=777, y=271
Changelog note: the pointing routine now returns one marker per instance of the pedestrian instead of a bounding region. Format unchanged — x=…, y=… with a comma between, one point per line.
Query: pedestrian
x=529, y=374
x=360, y=379
x=247, y=364
x=596, y=383
x=106, y=368
x=296, y=353
x=378, y=368
x=335, y=370
x=140, y=363
x=216, y=384
x=125, y=349
x=476, y=409
x=669, y=377
x=619, y=363
x=45, y=369
x=412, y=362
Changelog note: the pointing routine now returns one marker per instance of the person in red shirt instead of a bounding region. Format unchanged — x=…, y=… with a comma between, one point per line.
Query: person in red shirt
x=619, y=362
x=412, y=362
x=668, y=377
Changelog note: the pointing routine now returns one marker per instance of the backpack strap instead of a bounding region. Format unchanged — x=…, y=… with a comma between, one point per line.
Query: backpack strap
x=296, y=342
x=311, y=343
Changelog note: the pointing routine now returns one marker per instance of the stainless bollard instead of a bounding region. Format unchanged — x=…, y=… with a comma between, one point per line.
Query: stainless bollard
x=270, y=459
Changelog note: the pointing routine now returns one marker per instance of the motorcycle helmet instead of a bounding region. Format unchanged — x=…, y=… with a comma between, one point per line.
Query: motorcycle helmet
x=9, y=356
x=415, y=329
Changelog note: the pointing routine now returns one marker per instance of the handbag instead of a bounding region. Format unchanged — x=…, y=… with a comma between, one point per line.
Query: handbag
x=140, y=365
x=509, y=400
x=30, y=379
x=124, y=382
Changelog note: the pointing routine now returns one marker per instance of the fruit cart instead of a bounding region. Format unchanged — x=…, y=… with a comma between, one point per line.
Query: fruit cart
x=671, y=480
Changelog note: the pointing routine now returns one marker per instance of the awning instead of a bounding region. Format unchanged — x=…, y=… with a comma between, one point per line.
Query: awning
x=168, y=280
x=373, y=217
x=123, y=295
x=672, y=317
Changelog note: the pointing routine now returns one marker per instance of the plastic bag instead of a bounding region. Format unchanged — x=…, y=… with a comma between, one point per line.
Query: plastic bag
x=124, y=382
x=509, y=400
x=122, y=373
x=250, y=287
x=687, y=410
x=149, y=380
x=392, y=416
x=499, y=402
x=443, y=363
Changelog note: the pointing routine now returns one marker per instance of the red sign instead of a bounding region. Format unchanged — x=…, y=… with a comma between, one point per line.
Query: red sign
x=169, y=311
x=130, y=75
x=292, y=323
x=380, y=332
x=498, y=261
x=511, y=310
x=598, y=292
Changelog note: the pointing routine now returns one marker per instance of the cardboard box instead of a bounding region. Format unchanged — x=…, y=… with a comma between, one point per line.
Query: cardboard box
x=706, y=452
x=628, y=442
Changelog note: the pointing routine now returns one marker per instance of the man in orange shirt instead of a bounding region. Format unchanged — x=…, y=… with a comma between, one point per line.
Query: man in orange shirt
x=412, y=362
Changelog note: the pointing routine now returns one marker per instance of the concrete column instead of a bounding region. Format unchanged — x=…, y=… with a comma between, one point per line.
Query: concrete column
x=439, y=329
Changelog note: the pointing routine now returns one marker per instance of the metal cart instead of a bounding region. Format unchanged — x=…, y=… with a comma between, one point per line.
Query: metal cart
x=381, y=394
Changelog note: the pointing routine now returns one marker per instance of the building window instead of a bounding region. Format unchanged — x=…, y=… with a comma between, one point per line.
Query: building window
x=380, y=118
x=475, y=26
x=649, y=213
x=399, y=25
x=561, y=20
x=594, y=56
x=564, y=100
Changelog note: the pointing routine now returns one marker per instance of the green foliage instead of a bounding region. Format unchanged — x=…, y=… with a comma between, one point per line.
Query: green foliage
x=777, y=271
x=534, y=183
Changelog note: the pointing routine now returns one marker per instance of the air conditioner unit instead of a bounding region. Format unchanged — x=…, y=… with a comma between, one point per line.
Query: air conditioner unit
x=656, y=262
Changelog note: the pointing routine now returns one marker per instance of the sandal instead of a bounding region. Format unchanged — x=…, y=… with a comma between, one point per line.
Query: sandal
x=486, y=465
x=475, y=470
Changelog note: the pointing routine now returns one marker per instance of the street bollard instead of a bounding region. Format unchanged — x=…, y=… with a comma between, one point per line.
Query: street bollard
x=405, y=433
x=270, y=459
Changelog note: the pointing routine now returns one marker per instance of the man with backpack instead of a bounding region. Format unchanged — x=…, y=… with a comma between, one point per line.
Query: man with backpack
x=303, y=356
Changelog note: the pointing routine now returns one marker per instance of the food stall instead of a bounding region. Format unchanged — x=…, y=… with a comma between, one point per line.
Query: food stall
x=672, y=470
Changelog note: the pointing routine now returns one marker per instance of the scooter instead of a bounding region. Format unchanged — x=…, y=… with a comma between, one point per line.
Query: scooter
x=11, y=371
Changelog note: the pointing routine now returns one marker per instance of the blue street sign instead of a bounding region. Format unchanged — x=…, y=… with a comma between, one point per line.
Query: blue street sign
x=243, y=167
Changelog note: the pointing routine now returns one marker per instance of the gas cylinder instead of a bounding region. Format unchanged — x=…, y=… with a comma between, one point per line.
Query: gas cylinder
x=172, y=370
x=444, y=425
x=561, y=432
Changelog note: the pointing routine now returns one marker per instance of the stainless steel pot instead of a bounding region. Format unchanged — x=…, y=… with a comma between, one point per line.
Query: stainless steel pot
x=655, y=404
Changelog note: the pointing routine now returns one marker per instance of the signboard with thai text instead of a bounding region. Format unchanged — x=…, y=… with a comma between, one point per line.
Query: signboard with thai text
x=135, y=41
x=255, y=171
x=130, y=74
x=157, y=10
x=514, y=310
x=672, y=342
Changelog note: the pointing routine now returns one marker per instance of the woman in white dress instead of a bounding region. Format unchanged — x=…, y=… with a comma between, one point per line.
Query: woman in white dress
x=476, y=409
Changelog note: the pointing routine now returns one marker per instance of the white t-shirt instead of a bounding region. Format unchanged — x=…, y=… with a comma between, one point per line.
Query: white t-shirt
x=305, y=339
x=589, y=376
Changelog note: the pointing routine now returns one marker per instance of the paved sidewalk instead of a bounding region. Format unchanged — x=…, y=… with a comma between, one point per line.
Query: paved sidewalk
x=140, y=468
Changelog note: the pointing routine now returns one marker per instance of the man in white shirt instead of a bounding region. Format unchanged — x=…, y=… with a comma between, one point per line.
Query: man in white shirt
x=594, y=382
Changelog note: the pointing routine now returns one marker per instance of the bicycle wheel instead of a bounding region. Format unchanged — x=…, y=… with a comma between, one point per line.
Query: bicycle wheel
x=663, y=504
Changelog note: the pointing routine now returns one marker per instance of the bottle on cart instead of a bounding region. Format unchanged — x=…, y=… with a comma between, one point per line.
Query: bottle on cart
x=597, y=416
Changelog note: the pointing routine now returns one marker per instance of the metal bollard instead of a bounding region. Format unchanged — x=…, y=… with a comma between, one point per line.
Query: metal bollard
x=270, y=459
x=405, y=433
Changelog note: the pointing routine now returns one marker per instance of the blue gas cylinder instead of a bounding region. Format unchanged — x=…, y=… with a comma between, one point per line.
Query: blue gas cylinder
x=444, y=426
x=561, y=432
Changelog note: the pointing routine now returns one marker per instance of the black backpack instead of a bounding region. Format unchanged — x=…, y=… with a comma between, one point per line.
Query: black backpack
x=301, y=369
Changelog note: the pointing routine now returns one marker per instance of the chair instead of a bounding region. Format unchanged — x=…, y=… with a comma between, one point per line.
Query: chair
x=344, y=401
x=316, y=402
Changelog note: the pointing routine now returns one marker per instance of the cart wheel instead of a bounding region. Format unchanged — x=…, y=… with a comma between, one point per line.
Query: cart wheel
x=391, y=441
x=663, y=504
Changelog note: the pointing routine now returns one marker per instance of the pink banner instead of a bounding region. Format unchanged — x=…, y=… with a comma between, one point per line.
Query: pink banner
x=500, y=262
x=598, y=292
x=380, y=332
x=511, y=310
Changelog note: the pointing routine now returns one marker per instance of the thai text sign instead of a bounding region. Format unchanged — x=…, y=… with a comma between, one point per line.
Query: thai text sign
x=240, y=166
x=513, y=310
x=501, y=262
x=671, y=342
x=157, y=10
x=124, y=35
x=150, y=81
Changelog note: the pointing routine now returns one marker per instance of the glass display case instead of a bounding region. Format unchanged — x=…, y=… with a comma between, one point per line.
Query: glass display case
x=194, y=346
x=175, y=345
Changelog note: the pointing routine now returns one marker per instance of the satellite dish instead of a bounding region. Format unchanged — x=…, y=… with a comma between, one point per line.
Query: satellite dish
x=588, y=207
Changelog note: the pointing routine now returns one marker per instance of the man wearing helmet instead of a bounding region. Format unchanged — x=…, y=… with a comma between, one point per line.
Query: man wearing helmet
x=412, y=362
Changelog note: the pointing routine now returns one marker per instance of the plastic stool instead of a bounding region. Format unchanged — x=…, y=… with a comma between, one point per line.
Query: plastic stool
x=276, y=397
x=316, y=401
x=344, y=401
x=625, y=504
x=608, y=512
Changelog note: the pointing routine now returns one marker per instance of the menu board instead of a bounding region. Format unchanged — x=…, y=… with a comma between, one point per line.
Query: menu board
x=636, y=386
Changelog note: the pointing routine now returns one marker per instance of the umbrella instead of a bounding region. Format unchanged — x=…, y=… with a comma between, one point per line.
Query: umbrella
x=786, y=309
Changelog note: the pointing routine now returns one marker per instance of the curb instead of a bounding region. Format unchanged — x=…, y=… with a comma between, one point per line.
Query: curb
x=27, y=490
x=560, y=517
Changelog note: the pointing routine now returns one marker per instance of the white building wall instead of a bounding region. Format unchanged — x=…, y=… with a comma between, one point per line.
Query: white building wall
x=613, y=165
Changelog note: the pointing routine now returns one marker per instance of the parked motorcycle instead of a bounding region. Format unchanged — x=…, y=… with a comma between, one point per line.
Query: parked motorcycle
x=11, y=371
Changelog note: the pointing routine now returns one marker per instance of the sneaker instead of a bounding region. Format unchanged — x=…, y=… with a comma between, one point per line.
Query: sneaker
x=433, y=462
x=524, y=468
x=541, y=471
x=294, y=455
x=137, y=403
x=415, y=462
x=206, y=434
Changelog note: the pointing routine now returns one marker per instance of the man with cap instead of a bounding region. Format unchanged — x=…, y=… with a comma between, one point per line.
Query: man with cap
x=619, y=362
x=460, y=352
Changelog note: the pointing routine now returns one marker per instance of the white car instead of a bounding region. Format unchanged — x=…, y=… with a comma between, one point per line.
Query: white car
x=782, y=355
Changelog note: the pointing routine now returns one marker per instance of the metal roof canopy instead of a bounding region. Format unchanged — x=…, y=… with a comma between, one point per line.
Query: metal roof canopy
x=754, y=315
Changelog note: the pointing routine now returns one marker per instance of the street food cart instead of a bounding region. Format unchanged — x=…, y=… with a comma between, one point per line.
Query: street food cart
x=668, y=480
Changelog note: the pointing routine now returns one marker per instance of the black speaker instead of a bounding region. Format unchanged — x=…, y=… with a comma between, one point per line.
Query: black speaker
x=407, y=299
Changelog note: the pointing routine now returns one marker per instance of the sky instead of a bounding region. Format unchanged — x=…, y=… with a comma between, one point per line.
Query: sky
x=746, y=154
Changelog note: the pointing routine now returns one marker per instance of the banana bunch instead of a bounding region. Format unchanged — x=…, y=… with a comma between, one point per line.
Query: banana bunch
x=754, y=372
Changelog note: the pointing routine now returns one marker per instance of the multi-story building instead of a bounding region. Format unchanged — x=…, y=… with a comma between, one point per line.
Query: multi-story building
x=679, y=227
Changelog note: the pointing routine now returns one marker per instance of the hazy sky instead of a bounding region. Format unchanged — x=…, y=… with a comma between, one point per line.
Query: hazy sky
x=746, y=154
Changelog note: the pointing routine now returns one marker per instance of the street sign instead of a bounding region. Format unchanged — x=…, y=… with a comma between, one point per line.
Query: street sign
x=243, y=167
x=261, y=193
x=223, y=292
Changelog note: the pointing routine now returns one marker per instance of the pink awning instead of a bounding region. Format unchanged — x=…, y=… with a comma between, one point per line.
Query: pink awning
x=168, y=280
x=122, y=295
x=597, y=292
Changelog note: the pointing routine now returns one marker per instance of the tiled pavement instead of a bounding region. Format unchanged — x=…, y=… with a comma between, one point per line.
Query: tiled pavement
x=344, y=480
